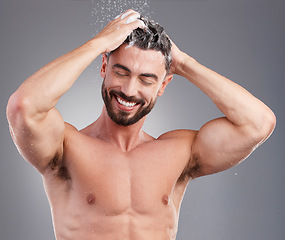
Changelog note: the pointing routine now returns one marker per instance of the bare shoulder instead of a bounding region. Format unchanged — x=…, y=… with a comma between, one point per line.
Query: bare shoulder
x=182, y=141
x=179, y=135
x=70, y=132
x=70, y=127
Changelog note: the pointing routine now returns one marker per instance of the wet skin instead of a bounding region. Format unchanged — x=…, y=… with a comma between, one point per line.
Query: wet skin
x=110, y=181
x=115, y=194
x=117, y=182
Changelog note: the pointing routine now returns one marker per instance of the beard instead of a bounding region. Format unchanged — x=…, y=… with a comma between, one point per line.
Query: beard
x=123, y=118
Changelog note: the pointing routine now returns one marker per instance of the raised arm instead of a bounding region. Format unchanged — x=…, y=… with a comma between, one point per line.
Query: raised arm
x=224, y=142
x=37, y=128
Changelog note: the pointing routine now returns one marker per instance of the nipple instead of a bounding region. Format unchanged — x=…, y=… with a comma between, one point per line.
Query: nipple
x=90, y=199
x=165, y=199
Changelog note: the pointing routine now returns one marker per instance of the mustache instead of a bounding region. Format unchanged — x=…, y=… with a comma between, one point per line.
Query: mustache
x=127, y=98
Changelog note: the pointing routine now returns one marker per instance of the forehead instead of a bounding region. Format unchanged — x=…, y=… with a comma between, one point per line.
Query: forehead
x=138, y=60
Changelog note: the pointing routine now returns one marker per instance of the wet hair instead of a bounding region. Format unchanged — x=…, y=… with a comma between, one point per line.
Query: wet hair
x=153, y=37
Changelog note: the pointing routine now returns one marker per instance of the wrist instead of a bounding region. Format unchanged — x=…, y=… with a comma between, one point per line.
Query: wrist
x=96, y=45
x=183, y=63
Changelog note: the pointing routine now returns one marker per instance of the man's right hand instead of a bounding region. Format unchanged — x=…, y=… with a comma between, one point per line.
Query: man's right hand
x=115, y=33
x=36, y=126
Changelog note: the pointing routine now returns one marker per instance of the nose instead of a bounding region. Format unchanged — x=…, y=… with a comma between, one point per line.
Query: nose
x=130, y=87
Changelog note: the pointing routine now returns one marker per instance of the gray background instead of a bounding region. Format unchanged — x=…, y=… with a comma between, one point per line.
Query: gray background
x=241, y=39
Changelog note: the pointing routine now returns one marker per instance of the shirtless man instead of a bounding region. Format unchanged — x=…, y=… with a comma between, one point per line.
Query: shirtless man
x=111, y=180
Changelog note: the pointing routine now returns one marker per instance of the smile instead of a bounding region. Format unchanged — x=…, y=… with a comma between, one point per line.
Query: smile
x=124, y=103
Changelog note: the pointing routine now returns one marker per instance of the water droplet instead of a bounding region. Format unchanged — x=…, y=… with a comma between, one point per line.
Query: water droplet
x=104, y=11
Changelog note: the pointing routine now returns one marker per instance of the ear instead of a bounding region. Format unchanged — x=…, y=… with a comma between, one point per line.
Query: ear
x=104, y=66
x=167, y=80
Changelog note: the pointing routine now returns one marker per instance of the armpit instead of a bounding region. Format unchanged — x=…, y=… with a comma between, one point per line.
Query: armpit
x=191, y=170
x=58, y=168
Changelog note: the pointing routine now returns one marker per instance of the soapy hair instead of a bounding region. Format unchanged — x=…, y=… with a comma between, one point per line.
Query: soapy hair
x=153, y=37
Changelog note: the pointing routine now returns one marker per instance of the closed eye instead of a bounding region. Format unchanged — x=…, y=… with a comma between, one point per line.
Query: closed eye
x=148, y=78
x=121, y=74
x=146, y=82
x=121, y=70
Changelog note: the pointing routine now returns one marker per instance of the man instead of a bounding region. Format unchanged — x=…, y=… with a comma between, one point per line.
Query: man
x=111, y=180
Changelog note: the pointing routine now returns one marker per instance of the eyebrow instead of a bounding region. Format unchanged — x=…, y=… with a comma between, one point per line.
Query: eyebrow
x=150, y=75
x=117, y=65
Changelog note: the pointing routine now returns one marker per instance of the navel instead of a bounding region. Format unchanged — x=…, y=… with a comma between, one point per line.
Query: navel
x=165, y=199
x=90, y=199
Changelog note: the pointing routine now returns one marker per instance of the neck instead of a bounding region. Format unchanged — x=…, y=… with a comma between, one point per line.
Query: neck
x=125, y=138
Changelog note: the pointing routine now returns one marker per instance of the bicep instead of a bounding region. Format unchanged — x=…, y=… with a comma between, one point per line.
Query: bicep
x=220, y=145
x=38, y=140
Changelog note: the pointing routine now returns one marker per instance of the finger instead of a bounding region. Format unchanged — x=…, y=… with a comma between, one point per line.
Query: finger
x=137, y=23
x=124, y=14
x=134, y=16
x=127, y=13
x=131, y=19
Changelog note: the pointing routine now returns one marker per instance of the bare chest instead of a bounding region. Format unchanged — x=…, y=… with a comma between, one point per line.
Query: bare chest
x=112, y=182
x=121, y=181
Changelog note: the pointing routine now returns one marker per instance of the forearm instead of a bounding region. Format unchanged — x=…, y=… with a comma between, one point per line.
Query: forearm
x=238, y=105
x=43, y=89
x=40, y=92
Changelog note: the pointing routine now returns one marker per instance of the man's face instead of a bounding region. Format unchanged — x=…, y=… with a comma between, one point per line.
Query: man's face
x=133, y=79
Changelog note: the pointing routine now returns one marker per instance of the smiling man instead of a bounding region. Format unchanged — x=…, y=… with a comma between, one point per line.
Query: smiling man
x=111, y=180
x=127, y=104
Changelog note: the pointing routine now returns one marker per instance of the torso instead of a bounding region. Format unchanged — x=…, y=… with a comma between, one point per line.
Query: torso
x=106, y=193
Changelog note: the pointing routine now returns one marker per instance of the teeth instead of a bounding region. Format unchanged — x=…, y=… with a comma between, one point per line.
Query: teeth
x=124, y=103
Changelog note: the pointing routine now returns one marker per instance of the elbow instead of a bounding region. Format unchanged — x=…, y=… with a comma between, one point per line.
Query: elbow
x=271, y=122
x=13, y=107
x=267, y=126
x=17, y=108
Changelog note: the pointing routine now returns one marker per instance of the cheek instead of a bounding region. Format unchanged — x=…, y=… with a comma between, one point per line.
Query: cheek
x=110, y=80
x=151, y=95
